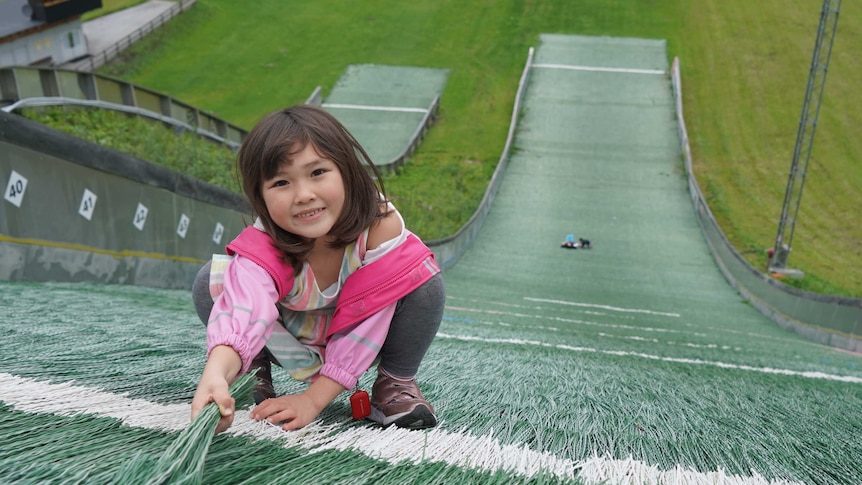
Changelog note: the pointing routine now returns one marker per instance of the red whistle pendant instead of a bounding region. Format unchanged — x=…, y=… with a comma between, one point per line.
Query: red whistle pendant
x=360, y=405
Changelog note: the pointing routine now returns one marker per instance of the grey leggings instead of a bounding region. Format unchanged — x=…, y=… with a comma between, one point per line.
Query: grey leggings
x=414, y=325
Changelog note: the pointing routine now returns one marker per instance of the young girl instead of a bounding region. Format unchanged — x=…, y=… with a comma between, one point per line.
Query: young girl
x=327, y=280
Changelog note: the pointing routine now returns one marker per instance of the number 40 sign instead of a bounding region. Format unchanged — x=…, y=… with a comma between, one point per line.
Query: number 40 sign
x=15, y=189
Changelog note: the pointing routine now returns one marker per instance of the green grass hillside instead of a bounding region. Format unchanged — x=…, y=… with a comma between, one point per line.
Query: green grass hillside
x=744, y=66
x=745, y=75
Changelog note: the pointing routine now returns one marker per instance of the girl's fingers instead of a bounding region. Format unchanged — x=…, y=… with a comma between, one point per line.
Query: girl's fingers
x=225, y=403
x=225, y=411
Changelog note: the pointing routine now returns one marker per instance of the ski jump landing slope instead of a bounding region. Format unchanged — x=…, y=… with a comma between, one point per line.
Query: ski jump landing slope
x=631, y=362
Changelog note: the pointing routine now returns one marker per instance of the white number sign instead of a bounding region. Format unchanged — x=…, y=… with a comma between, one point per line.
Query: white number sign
x=218, y=233
x=88, y=205
x=183, y=226
x=15, y=188
x=140, y=216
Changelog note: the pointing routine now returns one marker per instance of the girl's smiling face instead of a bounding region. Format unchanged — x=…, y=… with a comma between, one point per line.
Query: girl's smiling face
x=306, y=195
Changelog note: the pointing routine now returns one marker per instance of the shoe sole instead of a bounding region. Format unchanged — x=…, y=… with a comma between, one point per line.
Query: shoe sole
x=419, y=418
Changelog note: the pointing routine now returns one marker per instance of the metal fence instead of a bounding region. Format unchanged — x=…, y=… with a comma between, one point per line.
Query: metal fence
x=831, y=320
x=35, y=86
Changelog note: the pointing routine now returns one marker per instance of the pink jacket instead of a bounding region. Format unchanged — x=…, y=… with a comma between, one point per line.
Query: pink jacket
x=367, y=291
x=365, y=305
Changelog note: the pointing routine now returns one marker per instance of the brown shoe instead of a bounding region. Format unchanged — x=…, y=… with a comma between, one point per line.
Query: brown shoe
x=400, y=403
x=263, y=390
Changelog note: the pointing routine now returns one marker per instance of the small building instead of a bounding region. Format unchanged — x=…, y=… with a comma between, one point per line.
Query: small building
x=43, y=32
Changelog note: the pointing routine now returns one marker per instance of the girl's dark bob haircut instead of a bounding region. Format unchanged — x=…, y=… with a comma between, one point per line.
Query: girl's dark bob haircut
x=280, y=135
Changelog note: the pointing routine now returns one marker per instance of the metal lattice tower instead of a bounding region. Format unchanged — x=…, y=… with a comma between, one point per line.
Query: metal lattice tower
x=805, y=134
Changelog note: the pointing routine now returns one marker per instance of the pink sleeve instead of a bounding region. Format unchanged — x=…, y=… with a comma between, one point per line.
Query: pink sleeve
x=243, y=315
x=351, y=351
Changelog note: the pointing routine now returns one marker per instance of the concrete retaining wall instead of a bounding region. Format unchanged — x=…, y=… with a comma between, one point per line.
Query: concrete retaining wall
x=75, y=211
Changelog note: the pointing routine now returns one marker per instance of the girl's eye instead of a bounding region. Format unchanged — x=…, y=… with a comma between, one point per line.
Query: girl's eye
x=279, y=183
x=318, y=172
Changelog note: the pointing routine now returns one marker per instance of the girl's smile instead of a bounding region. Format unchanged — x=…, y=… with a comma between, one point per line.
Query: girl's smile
x=310, y=214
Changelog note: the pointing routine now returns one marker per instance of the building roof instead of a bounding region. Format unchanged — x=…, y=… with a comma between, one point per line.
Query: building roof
x=15, y=17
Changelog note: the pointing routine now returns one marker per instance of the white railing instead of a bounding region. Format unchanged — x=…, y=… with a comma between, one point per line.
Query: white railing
x=99, y=59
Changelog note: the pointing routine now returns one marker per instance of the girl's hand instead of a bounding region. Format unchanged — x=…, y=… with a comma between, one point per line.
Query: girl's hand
x=214, y=389
x=292, y=411
x=221, y=369
x=297, y=410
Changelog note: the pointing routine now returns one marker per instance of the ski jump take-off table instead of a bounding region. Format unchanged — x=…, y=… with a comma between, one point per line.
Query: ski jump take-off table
x=631, y=362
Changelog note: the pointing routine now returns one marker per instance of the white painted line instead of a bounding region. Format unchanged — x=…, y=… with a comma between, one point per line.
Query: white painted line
x=572, y=320
x=529, y=307
x=671, y=342
x=603, y=307
x=393, y=445
x=717, y=329
x=375, y=108
x=600, y=334
x=625, y=353
x=599, y=69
